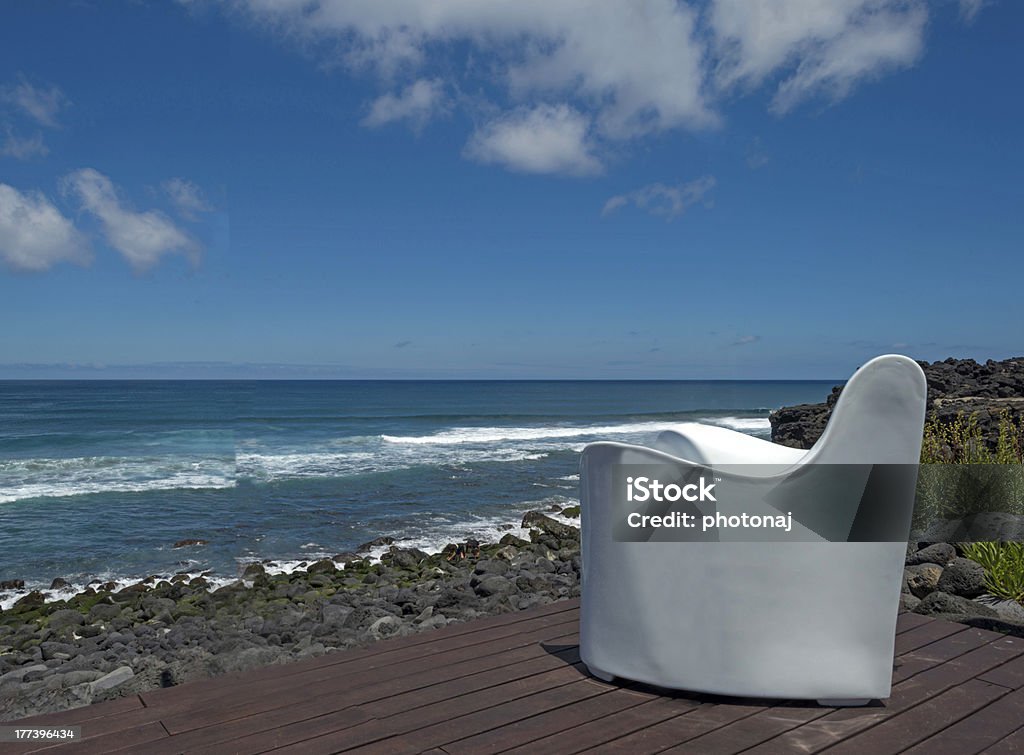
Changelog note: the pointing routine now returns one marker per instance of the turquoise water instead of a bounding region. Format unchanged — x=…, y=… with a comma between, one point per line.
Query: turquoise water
x=100, y=479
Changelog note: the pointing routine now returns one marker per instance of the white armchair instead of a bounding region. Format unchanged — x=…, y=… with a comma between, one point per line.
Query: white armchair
x=809, y=614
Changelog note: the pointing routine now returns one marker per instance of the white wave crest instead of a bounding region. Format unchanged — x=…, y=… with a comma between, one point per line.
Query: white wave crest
x=471, y=435
x=743, y=424
x=49, y=478
x=266, y=467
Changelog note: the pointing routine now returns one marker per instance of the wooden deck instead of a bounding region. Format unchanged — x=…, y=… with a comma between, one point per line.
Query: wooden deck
x=515, y=683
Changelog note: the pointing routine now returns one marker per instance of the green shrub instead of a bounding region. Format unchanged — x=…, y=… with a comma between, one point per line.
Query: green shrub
x=960, y=475
x=1004, y=567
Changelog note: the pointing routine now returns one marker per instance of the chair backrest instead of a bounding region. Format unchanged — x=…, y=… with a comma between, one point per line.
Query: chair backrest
x=879, y=417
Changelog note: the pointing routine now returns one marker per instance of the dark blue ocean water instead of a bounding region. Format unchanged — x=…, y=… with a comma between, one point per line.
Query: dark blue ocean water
x=100, y=479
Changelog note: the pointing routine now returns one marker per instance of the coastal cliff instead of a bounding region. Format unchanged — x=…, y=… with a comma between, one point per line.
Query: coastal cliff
x=955, y=387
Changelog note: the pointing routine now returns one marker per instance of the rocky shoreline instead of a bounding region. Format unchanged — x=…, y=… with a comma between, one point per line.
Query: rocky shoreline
x=107, y=642
x=102, y=643
x=955, y=386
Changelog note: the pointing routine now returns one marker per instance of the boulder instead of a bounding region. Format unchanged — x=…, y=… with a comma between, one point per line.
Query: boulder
x=908, y=602
x=921, y=579
x=375, y=543
x=65, y=617
x=955, y=605
x=962, y=577
x=27, y=602
x=488, y=566
x=535, y=520
x=385, y=626
x=113, y=679
x=103, y=612
x=252, y=572
x=404, y=558
x=323, y=566
x=493, y=585
x=189, y=542
x=18, y=674
x=938, y=553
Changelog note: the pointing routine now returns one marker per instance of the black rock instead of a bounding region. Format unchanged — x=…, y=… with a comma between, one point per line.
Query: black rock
x=189, y=541
x=954, y=387
x=375, y=543
x=939, y=553
x=403, y=558
x=65, y=617
x=494, y=585
x=253, y=571
x=535, y=520
x=489, y=566
x=944, y=603
x=963, y=577
x=323, y=566
x=32, y=600
x=12, y=584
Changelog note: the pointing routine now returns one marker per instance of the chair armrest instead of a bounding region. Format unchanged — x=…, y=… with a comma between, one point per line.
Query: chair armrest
x=708, y=444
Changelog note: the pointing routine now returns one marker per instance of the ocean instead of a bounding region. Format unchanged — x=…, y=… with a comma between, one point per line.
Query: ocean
x=99, y=479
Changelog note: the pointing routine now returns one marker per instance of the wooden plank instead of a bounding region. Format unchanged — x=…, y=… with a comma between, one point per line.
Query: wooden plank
x=981, y=729
x=386, y=652
x=940, y=651
x=268, y=697
x=78, y=715
x=964, y=667
x=433, y=725
x=906, y=621
x=925, y=634
x=594, y=733
x=115, y=725
x=551, y=721
x=1009, y=675
x=1010, y=745
x=441, y=732
x=518, y=683
x=446, y=687
x=131, y=739
x=200, y=743
x=909, y=727
x=929, y=681
x=672, y=732
x=752, y=730
x=196, y=705
x=314, y=709
x=139, y=739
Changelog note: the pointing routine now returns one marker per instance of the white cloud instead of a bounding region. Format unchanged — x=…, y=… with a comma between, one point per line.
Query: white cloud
x=636, y=64
x=624, y=69
x=544, y=139
x=819, y=46
x=41, y=104
x=969, y=9
x=186, y=197
x=417, y=103
x=662, y=200
x=34, y=235
x=142, y=238
x=22, y=148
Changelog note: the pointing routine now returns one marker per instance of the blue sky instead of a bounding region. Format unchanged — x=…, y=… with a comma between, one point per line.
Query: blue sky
x=641, y=189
